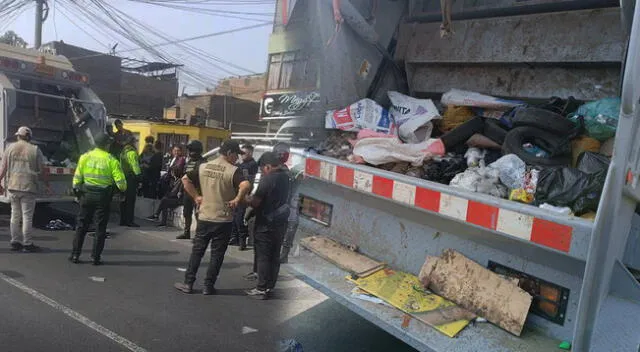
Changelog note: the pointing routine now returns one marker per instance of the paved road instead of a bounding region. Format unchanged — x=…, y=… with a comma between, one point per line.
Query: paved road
x=49, y=304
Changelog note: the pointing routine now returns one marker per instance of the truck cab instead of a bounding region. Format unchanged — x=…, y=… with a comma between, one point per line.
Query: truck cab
x=44, y=92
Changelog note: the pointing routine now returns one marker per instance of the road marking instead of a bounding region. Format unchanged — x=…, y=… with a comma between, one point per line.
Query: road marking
x=74, y=315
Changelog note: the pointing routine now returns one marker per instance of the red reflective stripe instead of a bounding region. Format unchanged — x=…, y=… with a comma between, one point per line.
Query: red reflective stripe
x=551, y=234
x=382, y=186
x=344, y=176
x=482, y=215
x=312, y=167
x=427, y=199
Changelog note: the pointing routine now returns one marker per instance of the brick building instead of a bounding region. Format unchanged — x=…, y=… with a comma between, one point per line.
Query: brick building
x=127, y=87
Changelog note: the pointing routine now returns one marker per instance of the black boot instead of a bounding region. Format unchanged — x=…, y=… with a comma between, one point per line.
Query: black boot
x=74, y=258
x=185, y=235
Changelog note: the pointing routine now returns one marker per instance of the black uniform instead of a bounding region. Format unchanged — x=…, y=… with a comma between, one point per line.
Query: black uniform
x=188, y=204
x=240, y=231
x=271, y=224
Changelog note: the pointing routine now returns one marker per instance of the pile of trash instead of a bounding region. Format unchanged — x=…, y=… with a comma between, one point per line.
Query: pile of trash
x=554, y=155
x=58, y=225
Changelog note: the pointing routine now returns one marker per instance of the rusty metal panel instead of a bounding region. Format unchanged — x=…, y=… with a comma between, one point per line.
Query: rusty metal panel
x=577, y=36
x=521, y=82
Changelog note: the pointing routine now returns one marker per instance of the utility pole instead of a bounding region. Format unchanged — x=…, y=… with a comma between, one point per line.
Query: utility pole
x=42, y=11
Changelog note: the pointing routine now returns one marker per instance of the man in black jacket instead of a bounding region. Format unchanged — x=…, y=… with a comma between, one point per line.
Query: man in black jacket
x=272, y=213
x=194, y=148
x=240, y=231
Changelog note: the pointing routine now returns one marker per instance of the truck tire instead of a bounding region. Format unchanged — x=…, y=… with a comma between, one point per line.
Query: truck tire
x=556, y=145
x=543, y=119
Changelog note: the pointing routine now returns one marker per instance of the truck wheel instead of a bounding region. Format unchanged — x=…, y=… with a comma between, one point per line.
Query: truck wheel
x=542, y=119
x=555, y=145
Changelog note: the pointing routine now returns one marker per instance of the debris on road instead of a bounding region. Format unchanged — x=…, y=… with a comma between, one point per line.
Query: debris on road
x=290, y=345
x=97, y=279
x=182, y=269
x=248, y=330
x=58, y=225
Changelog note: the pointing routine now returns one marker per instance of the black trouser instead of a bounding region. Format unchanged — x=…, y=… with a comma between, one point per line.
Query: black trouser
x=268, y=241
x=292, y=228
x=150, y=187
x=128, y=207
x=165, y=205
x=188, y=205
x=218, y=234
x=93, y=202
x=240, y=231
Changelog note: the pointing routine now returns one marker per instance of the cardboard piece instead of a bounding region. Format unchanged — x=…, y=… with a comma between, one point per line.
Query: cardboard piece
x=341, y=255
x=479, y=290
x=404, y=292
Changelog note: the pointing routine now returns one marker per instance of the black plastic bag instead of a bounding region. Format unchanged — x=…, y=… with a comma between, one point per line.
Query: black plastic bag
x=445, y=170
x=571, y=187
x=590, y=162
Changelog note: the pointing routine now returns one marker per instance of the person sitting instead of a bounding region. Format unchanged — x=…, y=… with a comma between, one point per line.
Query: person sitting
x=171, y=200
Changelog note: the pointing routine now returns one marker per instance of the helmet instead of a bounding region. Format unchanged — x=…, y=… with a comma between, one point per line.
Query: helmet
x=195, y=146
x=102, y=140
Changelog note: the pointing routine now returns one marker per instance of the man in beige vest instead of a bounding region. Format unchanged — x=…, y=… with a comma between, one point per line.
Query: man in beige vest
x=23, y=167
x=217, y=187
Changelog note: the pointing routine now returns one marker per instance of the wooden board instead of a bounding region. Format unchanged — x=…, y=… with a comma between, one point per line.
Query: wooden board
x=480, y=290
x=342, y=256
x=403, y=291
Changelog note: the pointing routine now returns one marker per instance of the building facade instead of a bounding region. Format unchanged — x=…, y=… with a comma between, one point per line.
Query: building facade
x=124, y=91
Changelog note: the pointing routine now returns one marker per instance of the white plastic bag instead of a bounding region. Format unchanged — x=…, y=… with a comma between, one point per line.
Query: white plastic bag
x=512, y=170
x=378, y=151
x=482, y=180
x=362, y=114
x=466, y=98
x=413, y=116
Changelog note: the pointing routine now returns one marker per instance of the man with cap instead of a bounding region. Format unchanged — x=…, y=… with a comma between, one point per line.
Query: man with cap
x=270, y=202
x=217, y=187
x=194, y=150
x=240, y=231
x=97, y=175
x=131, y=168
x=23, y=167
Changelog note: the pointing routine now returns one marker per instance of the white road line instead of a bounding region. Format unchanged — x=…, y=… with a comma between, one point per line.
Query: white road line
x=74, y=315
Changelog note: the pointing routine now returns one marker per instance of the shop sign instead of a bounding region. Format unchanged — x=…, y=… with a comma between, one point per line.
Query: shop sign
x=287, y=105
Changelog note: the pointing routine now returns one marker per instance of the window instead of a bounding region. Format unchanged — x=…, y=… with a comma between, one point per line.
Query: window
x=212, y=142
x=290, y=70
x=315, y=210
x=169, y=140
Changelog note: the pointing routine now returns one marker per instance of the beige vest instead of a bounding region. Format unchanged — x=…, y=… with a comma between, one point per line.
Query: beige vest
x=216, y=186
x=23, y=169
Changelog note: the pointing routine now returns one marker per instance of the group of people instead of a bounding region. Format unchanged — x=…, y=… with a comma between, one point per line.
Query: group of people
x=218, y=191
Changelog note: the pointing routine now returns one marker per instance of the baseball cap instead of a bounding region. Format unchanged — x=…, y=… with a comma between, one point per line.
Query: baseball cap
x=269, y=158
x=230, y=146
x=24, y=131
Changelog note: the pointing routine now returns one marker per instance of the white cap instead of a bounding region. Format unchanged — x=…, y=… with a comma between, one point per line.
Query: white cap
x=24, y=131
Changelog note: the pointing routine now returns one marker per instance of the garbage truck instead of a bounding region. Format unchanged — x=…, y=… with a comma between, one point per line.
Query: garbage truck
x=44, y=92
x=581, y=272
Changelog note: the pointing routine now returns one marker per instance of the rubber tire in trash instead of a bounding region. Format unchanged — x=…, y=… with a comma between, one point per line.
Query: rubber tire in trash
x=542, y=119
x=459, y=135
x=521, y=135
x=494, y=131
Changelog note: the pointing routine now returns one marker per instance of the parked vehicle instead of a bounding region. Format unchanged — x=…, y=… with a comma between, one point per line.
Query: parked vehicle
x=581, y=270
x=44, y=92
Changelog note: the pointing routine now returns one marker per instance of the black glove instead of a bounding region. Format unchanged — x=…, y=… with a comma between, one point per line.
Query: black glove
x=77, y=192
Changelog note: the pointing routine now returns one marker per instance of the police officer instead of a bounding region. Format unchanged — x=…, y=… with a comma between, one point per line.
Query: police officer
x=240, y=231
x=217, y=187
x=194, y=148
x=131, y=167
x=93, y=183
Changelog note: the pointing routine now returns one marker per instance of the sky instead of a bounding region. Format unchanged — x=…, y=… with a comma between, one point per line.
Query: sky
x=245, y=49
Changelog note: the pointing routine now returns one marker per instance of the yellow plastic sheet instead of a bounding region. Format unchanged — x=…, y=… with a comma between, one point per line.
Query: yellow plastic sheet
x=404, y=291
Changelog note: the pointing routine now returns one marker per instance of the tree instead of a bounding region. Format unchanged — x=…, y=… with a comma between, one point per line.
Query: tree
x=12, y=38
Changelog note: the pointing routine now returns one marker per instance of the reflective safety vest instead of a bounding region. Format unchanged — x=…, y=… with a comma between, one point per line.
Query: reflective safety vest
x=129, y=161
x=98, y=168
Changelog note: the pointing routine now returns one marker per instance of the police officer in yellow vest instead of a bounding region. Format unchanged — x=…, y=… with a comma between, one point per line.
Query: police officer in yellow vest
x=217, y=187
x=131, y=167
x=96, y=175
